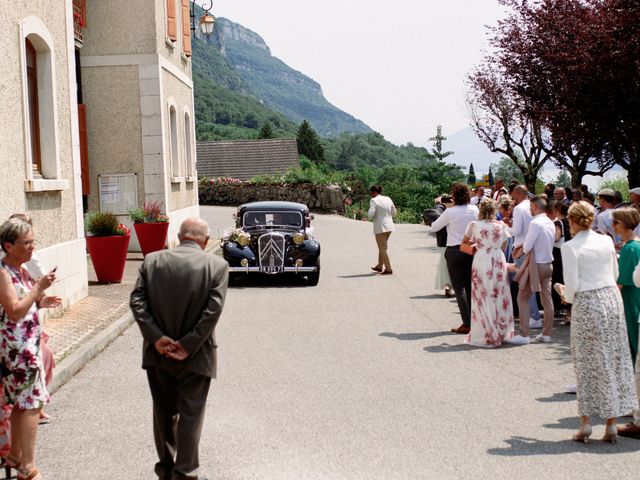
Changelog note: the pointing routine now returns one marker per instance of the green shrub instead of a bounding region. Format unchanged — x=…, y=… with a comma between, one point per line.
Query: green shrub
x=103, y=224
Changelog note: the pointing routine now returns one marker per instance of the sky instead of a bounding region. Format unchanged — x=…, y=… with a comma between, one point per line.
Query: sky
x=398, y=65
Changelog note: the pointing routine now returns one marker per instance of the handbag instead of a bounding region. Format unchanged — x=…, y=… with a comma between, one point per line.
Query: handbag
x=468, y=248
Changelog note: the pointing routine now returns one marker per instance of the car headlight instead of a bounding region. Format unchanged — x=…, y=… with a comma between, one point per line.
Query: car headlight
x=298, y=238
x=244, y=240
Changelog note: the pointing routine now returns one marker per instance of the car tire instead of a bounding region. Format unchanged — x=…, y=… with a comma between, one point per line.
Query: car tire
x=233, y=279
x=314, y=277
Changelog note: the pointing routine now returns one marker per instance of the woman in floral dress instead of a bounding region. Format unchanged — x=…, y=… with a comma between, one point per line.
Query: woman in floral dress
x=491, y=309
x=23, y=378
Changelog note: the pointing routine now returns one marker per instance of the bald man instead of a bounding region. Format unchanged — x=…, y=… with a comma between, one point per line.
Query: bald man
x=177, y=302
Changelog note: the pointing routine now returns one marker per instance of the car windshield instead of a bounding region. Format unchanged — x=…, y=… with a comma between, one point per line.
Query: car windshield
x=272, y=219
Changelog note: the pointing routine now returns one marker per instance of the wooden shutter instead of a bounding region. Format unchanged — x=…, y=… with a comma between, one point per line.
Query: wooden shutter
x=186, y=28
x=171, y=20
x=84, y=149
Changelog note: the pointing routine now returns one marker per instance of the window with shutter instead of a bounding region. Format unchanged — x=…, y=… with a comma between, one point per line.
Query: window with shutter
x=186, y=28
x=34, y=114
x=171, y=20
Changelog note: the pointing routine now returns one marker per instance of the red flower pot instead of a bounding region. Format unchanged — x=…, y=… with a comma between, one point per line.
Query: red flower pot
x=151, y=236
x=108, y=256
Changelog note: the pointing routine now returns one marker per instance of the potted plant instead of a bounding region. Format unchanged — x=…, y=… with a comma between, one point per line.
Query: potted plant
x=107, y=244
x=151, y=226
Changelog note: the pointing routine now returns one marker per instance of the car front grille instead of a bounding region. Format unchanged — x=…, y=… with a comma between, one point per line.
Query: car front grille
x=271, y=251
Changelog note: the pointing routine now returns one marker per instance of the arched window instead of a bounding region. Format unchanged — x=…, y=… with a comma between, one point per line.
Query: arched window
x=173, y=126
x=32, y=100
x=188, y=146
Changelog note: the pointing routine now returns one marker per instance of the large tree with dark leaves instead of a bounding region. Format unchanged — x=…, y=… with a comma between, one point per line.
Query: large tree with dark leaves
x=576, y=66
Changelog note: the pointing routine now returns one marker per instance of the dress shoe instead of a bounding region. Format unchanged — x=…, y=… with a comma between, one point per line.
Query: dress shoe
x=462, y=329
x=387, y=272
x=583, y=434
x=631, y=431
x=376, y=269
x=570, y=388
x=610, y=434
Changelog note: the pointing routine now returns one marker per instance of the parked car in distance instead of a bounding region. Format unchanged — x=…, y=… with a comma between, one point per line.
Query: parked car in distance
x=272, y=238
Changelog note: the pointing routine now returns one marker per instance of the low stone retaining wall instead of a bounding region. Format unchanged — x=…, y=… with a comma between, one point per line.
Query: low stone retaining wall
x=323, y=198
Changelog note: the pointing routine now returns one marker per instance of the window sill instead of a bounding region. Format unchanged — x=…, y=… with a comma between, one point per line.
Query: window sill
x=177, y=179
x=170, y=43
x=45, y=185
x=190, y=179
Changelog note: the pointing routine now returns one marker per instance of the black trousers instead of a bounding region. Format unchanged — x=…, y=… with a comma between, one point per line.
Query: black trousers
x=179, y=401
x=459, y=266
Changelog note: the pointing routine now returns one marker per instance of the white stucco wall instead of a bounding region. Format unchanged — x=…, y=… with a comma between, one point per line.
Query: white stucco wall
x=56, y=213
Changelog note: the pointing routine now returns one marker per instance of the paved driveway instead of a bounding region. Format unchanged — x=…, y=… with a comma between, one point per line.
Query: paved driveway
x=357, y=378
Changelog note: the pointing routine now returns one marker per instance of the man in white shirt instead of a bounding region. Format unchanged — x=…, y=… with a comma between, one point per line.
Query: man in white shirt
x=477, y=198
x=604, y=220
x=497, y=187
x=539, y=245
x=381, y=211
x=521, y=219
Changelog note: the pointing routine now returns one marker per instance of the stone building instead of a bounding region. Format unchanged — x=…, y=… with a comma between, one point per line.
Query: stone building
x=97, y=113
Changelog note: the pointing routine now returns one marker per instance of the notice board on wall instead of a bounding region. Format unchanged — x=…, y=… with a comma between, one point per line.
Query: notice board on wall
x=118, y=193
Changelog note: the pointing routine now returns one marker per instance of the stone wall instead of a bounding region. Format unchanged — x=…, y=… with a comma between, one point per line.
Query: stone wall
x=323, y=198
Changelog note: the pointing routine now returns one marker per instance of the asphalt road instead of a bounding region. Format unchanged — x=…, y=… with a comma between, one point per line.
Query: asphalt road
x=357, y=378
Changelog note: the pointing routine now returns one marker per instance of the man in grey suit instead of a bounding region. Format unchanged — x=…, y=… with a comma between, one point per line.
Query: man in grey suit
x=176, y=302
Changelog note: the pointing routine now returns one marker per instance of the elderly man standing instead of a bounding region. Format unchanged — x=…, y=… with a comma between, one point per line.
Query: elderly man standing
x=381, y=211
x=478, y=197
x=538, y=245
x=176, y=302
x=560, y=195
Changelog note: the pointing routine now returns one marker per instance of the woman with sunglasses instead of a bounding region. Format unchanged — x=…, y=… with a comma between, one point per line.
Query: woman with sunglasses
x=24, y=378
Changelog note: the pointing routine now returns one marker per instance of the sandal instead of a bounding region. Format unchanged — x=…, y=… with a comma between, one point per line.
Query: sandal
x=33, y=475
x=9, y=465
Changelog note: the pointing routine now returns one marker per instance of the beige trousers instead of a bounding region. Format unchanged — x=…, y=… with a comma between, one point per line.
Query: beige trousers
x=545, y=270
x=382, y=239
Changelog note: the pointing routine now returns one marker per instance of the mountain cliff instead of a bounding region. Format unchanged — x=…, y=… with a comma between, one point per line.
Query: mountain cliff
x=239, y=86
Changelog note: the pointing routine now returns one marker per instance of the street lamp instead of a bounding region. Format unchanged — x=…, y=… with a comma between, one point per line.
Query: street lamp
x=206, y=21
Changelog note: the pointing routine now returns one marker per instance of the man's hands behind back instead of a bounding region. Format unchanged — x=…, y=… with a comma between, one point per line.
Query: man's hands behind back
x=167, y=347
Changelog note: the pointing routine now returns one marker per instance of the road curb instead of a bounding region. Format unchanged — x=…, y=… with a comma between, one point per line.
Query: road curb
x=72, y=364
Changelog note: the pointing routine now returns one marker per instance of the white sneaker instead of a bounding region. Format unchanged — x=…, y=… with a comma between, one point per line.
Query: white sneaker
x=570, y=388
x=543, y=338
x=519, y=340
x=533, y=323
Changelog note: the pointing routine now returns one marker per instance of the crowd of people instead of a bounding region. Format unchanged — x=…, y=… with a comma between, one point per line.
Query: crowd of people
x=507, y=253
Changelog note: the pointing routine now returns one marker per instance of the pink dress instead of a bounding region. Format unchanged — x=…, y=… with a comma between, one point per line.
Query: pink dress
x=491, y=309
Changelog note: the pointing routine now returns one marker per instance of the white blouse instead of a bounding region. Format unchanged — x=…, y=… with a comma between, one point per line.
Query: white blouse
x=456, y=220
x=589, y=262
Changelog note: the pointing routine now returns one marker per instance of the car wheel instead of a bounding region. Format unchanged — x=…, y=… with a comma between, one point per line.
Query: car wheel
x=314, y=277
x=233, y=279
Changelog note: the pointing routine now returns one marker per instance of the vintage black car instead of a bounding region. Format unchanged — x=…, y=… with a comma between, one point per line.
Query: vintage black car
x=272, y=238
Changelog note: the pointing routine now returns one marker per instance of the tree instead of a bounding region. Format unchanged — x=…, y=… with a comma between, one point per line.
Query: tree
x=471, y=179
x=563, y=180
x=574, y=63
x=309, y=143
x=507, y=171
x=266, y=131
x=490, y=177
x=436, y=151
x=500, y=122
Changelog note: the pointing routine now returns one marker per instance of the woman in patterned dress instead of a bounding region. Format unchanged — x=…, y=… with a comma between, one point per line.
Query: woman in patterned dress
x=491, y=308
x=23, y=376
x=599, y=343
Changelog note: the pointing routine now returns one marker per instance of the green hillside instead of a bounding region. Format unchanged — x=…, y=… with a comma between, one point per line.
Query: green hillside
x=280, y=87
